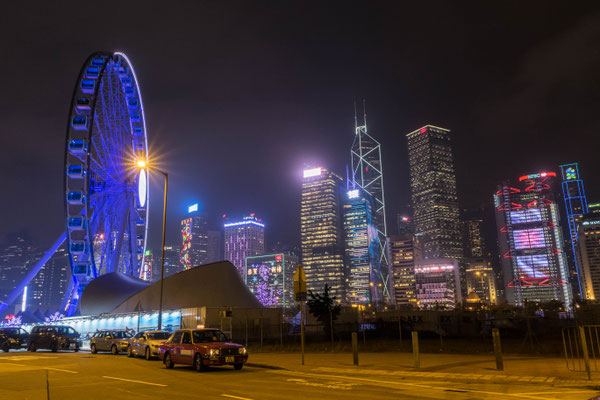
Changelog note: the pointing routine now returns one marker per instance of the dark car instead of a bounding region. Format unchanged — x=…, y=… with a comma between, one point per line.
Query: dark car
x=13, y=338
x=201, y=348
x=54, y=337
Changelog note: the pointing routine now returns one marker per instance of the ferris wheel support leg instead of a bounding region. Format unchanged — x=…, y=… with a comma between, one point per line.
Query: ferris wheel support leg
x=32, y=273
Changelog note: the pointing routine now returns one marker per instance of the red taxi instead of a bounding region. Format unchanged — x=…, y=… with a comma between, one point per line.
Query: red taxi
x=201, y=348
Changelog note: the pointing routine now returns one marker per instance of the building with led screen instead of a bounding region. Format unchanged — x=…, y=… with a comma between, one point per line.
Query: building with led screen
x=434, y=197
x=575, y=206
x=437, y=284
x=269, y=278
x=534, y=263
x=148, y=266
x=321, y=232
x=404, y=251
x=194, y=239
x=244, y=238
x=364, y=284
x=589, y=250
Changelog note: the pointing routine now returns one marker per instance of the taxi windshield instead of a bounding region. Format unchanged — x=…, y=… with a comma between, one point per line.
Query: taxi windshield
x=158, y=335
x=209, y=336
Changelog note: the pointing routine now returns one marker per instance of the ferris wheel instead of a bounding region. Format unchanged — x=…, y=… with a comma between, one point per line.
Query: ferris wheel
x=106, y=196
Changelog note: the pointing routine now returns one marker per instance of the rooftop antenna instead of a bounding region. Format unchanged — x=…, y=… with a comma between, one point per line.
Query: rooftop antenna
x=355, y=119
x=364, y=101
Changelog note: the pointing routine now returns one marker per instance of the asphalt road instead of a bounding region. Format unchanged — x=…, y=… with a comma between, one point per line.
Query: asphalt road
x=84, y=376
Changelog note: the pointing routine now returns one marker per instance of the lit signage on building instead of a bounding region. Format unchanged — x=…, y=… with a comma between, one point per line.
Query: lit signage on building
x=353, y=194
x=535, y=176
x=433, y=269
x=192, y=208
x=312, y=172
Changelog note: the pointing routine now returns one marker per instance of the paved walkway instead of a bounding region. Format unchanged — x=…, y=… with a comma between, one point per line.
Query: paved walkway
x=446, y=367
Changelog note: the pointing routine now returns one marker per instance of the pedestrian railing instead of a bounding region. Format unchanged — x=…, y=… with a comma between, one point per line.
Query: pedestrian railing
x=582, y=348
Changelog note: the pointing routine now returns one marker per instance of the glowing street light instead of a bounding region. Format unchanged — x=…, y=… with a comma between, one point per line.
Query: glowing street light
x=142, y=164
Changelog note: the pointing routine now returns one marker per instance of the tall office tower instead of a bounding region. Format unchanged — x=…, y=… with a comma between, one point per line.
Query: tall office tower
x=437, y=283
x=481, y=282
x=434, y=197
x=215, y=246
x=575, y=206
x=194, y=238
x=270, y=278
x=405, y=224
x=244, y=238
x=367, y=174
x=16, y=258
x=47, y=290
x=404, y=252
x=472, y=233
x=321, y=233
x=172, y=263
x=362, y=250
x=530, y=241
x=589, y=250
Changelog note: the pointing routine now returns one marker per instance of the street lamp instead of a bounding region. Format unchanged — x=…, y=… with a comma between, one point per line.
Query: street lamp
x=142, y=164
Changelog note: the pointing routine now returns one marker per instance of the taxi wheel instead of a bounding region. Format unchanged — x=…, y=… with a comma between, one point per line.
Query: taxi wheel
x=114, y=350
x=5, y=347
x=54, y=347
x=168, y=363
x=32, y=347
x=147, y=355
x=238, y=366
x=198, y=364
x=129, y=351
x=93, y=349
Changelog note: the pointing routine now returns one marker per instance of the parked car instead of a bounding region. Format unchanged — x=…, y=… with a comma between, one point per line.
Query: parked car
x=201, y=348
x=146, y=343
x=13, y=338
x=54, y=337
x=115, y=341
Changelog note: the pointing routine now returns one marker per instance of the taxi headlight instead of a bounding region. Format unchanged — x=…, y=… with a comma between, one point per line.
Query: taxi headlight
x=213, y=352
x=242, y=350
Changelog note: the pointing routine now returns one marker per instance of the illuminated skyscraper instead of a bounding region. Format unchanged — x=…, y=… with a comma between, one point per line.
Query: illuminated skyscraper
x=194, y=239
x=434, y=197
x=215, y=246
x=47, y=290
x=404, y=252
x=530, y=240
x=321, y=231
x=244, y=238
x=172, y=264
x=148, y=272
x=269, y=278
x=589, y=249
x=362, y=250
x=472, y=234
x=575, y=206
x=367, y=174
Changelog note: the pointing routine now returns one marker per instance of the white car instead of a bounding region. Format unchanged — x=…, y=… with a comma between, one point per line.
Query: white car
x=146, y=343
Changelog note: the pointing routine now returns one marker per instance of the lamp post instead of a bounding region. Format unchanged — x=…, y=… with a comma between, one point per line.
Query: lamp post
x=143, y=164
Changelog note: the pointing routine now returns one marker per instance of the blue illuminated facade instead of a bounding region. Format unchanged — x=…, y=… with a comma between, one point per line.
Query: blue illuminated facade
x=362, y=250
x=576, y=206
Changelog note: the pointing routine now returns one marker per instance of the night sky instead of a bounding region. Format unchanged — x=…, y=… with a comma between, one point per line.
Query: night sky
x=239, y=95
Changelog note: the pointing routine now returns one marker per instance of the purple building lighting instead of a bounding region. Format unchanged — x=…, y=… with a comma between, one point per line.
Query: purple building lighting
x=243, y=238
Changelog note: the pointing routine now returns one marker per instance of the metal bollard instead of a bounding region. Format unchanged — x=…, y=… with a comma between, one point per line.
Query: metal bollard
x=415, y=345
x=355, y=347
x=584, y=350
x=498, y=349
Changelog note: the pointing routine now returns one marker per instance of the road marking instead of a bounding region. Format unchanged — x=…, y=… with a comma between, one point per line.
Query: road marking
x=61, y=370
x=235, y=397
x=134, y=381
x=321, y=376
x=23, y=358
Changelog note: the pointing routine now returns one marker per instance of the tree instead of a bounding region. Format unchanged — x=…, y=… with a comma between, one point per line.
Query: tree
x=324, y=309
